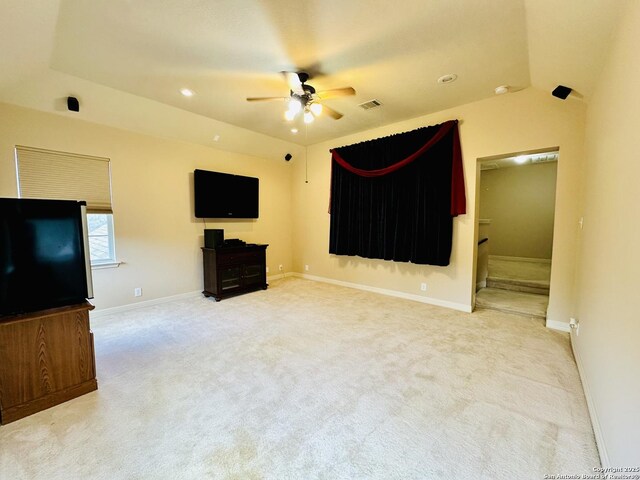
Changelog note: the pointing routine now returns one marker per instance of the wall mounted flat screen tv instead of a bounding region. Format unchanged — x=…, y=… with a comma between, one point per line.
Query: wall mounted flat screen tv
x=222, y=195
x=44, y=261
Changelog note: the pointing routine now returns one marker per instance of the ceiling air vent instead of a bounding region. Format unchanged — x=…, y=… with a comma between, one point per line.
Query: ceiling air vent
x=489, y=166
x=370, y=104
x=549, y=157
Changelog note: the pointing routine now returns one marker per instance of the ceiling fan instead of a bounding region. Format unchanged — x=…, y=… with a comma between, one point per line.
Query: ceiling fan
x=304, y=98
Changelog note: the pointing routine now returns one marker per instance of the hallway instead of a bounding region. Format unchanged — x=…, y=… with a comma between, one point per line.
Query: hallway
x=516, y=285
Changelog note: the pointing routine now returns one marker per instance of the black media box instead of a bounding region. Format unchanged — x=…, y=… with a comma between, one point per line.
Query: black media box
x=213, y=237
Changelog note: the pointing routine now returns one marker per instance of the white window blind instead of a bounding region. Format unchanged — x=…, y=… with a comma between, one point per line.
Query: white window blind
x=64, y=176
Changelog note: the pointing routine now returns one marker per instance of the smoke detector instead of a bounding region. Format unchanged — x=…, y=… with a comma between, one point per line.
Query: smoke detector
x=448, y=78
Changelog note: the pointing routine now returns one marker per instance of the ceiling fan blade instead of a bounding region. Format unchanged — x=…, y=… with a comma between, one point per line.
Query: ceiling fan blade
x=295, y=85
x=263, y=99
x=331, y=112
x=337, y=92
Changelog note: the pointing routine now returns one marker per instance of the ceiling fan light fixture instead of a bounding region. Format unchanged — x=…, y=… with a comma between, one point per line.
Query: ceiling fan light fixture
x=303, y=99
x=316, y=108
x=308, y=117
x=294, y=105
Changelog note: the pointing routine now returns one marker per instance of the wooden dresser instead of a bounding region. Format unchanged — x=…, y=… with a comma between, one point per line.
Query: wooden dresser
x=46, y=358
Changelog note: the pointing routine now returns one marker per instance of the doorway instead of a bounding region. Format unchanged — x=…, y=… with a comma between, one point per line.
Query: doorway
x=515, y=232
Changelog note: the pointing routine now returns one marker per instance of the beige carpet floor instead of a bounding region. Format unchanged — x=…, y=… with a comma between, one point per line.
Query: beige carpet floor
x=313, y=381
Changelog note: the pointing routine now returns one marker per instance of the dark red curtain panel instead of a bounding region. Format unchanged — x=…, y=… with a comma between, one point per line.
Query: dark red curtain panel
x=394, y=198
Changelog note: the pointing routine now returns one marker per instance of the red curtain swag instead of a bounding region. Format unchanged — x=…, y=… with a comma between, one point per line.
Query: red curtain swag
x=458, y=198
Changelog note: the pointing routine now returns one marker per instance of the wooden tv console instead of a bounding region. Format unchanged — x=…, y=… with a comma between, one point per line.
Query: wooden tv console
x=234, y=270
x=46, y=358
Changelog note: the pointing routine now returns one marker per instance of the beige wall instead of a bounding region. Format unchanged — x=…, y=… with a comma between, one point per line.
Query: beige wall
x=608, y=345
x=527, y=120
x=520, y=201
x=152, y=181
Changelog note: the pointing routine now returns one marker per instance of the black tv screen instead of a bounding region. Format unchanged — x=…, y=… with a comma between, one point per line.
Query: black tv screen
x=222, y=195
x=43, y=260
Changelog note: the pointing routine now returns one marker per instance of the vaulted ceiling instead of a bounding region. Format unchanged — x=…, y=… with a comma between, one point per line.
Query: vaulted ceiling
x=227, y=50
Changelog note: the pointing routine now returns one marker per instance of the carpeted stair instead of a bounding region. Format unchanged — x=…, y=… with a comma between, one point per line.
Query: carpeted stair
x=539, y=287
x=510, y=301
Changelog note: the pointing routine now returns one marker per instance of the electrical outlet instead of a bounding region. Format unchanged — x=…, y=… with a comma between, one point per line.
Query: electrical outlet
x=574, y=325
x=137, y=292
x=423, y=287
x=306, y=268
x=280, y=267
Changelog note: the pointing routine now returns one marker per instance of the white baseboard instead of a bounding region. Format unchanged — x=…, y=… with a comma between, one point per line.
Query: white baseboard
x=147, y=303
x=520, y=259
x=555, y=325
x=157, y=301
x=270, y=278
x=597, y=430
x=392, y=293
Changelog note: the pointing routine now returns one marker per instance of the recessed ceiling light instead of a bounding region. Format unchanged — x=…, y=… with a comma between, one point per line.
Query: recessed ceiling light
x=216, y=138
x=186, y=92
x=502, y=89
x=294, y=130
x=448, y=78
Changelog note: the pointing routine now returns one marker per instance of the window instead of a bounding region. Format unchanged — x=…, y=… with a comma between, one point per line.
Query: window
x=68, y=176
x=101, y=242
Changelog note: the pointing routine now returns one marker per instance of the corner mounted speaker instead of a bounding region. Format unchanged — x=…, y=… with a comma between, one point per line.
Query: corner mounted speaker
x=73, y=104
x=561, y=92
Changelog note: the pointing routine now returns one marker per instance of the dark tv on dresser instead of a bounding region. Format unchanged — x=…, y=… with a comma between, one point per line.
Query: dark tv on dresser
x=44, y=255
x=223, y=195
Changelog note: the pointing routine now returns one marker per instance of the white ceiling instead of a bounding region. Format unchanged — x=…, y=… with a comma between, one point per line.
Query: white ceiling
x=226, y=50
